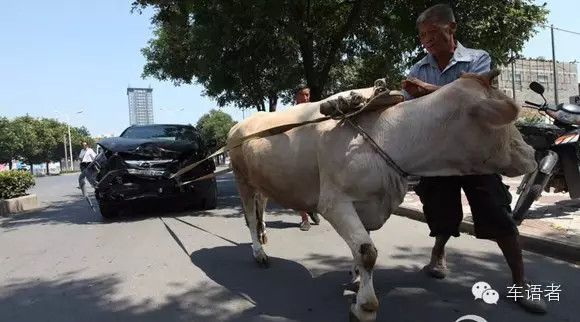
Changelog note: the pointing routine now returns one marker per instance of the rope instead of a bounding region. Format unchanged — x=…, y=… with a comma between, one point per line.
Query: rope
x=380, y=88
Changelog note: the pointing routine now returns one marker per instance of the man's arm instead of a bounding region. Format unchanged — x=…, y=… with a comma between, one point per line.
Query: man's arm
x=410, y=86
x=416, y=87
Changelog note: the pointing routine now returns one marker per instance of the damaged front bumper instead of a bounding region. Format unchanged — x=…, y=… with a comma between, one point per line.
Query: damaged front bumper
x=117, y=180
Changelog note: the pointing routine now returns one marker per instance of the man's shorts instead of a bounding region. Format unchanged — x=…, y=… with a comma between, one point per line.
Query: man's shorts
x=488, y=198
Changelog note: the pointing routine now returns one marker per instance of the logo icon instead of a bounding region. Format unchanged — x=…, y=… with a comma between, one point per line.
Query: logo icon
x=471, y=317
x=482, y=290
x=145, y=165
x=490, y=296
x=479, y=288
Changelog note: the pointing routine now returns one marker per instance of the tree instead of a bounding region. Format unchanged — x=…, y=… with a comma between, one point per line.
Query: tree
x=25, y=127
x=249, y=52
x=41, y=139
x=214, y=127
x=78, y=135
x=10, y=142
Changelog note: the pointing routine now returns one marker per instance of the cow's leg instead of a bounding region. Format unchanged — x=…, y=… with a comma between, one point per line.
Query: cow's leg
x=343, y=217
x=253, y=209
x=261, y=202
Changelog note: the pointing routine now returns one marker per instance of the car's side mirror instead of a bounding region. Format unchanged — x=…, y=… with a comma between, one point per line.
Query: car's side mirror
x=537, y=87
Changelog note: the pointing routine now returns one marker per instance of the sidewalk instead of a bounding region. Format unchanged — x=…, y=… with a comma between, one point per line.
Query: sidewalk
x=552, y=227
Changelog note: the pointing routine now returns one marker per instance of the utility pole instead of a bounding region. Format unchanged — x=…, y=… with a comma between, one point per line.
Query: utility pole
x=65, y=151
x=513, y=78
x=70, y=144
x=554, y=65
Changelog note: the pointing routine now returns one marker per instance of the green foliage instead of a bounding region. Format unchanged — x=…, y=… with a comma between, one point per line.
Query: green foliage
x=250, y=52
x=10, y=141
x=37, y=140
x=531, y=116
x=14, y=183
x=214, y=127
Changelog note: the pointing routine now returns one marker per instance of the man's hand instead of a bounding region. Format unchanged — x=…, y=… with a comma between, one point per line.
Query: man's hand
x=417, y=88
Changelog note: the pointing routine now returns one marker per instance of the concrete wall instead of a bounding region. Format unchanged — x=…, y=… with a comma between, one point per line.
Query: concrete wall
x=529, y=70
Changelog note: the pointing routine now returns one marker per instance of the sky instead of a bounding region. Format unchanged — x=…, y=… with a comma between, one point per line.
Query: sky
x=70, y=56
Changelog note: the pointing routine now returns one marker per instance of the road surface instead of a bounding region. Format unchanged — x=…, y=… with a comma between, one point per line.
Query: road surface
x=63, y=263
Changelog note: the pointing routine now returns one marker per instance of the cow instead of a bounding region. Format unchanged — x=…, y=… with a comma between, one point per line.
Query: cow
x=466, y=127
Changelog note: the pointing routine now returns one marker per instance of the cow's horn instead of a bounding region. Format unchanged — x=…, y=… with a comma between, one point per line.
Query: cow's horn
x=491, y=74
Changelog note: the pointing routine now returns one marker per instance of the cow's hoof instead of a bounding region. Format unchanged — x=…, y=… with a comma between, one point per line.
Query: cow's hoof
x=356, y=314
x=262, y=260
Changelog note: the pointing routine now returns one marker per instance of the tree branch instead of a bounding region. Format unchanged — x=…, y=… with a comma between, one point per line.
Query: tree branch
x=353, y=17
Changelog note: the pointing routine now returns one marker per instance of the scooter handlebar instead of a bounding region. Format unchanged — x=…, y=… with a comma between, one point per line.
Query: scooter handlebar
x=533, y=104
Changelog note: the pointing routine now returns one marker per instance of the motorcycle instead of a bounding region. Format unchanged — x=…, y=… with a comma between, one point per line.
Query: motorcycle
x=558, y=159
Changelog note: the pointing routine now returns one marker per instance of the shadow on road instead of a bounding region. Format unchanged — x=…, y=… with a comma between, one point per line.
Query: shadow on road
x=73, y=209
x=240, y=291
x=560, y=208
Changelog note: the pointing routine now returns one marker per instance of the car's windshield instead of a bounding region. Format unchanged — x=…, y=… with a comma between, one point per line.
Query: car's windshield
x=165, y=132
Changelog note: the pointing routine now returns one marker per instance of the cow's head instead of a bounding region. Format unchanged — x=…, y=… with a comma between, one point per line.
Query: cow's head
x=472, y=124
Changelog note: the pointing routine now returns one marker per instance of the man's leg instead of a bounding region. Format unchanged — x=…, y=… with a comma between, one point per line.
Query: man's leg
x=304, y=224
x=441, y=199
x=437, y=266
x=512, y=252
x=490, y=203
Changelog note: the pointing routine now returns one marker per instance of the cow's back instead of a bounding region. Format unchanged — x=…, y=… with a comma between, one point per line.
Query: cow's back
x=284, y=166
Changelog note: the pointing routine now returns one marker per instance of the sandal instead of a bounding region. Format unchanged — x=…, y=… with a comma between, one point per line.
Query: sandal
x=315, y=218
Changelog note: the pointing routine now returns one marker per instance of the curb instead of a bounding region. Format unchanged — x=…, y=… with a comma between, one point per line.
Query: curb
x=554, y=248
x=14, y=206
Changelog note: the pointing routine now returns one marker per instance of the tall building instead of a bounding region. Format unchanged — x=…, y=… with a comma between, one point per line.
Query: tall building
x=541, y=71
x=140, y=105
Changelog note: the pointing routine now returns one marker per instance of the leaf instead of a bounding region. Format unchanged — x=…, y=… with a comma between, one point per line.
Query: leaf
x=252, y=53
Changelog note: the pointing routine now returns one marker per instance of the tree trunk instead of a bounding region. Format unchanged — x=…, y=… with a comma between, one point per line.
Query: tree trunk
x=10, y=165
x=273, y=102
x=317, y=76
x=353, y=18
x=47, y=170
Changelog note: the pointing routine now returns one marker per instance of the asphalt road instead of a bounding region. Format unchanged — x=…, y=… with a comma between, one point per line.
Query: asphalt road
x=63, y=263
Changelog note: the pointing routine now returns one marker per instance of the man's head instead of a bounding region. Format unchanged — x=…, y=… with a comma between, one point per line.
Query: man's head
x=302, y=94
x=85, y=145
x=437, y=29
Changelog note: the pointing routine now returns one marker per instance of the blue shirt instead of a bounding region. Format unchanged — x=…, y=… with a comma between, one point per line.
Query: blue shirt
x=463, y=60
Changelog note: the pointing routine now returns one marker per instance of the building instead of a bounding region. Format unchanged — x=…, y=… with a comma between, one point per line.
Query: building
x=541, y=71
x=140, y=105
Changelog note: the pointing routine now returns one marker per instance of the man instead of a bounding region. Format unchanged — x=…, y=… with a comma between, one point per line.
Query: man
x=86, y=156
x=302, y=95
x=441, y=196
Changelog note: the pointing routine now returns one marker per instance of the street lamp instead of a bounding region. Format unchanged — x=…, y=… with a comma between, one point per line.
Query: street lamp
x=69, y=138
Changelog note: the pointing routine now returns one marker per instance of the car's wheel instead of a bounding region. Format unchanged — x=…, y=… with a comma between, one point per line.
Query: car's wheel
x=108, y=212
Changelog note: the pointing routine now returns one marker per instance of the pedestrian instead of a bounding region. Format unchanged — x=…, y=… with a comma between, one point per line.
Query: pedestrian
x=302, y=95
x=488, y=197
x=86, y=156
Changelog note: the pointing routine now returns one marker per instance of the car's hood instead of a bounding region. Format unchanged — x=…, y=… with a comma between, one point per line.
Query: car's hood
x=147, y=147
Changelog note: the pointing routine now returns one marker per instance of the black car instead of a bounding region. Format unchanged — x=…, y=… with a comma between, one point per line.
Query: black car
x=133, y=170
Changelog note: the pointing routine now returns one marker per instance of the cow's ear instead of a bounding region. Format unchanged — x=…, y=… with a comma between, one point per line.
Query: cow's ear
x=495, y=112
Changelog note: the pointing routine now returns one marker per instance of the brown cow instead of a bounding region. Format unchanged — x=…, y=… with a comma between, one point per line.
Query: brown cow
x=466, y=127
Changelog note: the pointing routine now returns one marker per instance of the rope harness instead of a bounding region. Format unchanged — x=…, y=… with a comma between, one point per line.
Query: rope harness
x=342, y=109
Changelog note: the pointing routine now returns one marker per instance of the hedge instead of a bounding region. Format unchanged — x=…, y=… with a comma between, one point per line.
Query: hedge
x=14, y=183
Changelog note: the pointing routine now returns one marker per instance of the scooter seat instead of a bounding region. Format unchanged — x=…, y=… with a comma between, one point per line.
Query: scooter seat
x=570, y=108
